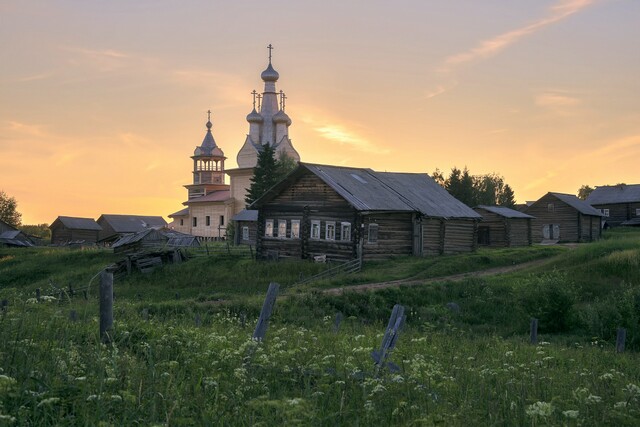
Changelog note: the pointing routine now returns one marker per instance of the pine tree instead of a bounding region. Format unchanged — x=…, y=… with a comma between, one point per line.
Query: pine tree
x=265, y=174
x=507, y=197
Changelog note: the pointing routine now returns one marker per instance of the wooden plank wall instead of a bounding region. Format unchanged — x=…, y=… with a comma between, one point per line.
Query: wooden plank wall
x=573, y=225
x=520, y=232
x=395, y=235
x=460, y=236
x=619, y=212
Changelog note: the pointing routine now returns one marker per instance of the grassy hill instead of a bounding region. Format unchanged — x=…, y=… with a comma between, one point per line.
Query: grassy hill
x=471, y=366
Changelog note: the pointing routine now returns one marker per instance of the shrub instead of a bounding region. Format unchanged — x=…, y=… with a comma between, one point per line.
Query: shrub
x=550, y=298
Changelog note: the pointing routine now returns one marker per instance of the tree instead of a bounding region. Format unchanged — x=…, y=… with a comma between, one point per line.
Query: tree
x=584, y=192
x=473, y=190
x=506, y=197
x=41, y=231
x=9, y=210
x=268, y=172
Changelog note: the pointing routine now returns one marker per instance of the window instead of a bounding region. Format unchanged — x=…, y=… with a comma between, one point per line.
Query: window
x=373, y=233
x=245, y=233
x=345, y=231
x=207, y=220
x=181, y=221
x=605, y=212
x=551, y=207
x=282, y=228
x=195, y=221
x=268, y=228
x=295, y=229
x=221, y=219
x=330, y=230
x=637, y=212
x=315, y=229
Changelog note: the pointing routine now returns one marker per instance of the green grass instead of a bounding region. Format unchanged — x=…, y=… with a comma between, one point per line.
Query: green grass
x=468, y=368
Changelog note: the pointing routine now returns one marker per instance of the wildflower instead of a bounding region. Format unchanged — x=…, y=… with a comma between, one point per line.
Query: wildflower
x=593, y=399
x=513, y=406
x=508, y=354
x=606, y=376
x=632, y=389
x=368, y=405
x=571, y=414
x=295, y=401
x=620, y=405
x=539, y=409
x=7, y=419
x=48, y=402
x=116, y=398
x=6, y=383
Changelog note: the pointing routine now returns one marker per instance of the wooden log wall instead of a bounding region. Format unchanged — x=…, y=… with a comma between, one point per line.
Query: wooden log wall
x=563, y=215
x=460, y=236
x=395, y=235
x=619, y=212
x=520, y=232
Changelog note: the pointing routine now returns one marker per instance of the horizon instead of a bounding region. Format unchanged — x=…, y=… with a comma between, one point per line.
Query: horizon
x=105, y=103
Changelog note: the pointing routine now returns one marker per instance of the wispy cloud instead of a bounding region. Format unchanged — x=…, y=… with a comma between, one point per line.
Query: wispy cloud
x=495, y=45
x=33, y=77
x=104, y=60
x=558, y=102
x=25, y=128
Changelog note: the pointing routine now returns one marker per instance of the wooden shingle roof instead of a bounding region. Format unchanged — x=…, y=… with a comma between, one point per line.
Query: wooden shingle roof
x=579, y=205
x=504, y=212
x=132, y=223
x=76, y=223
x=612, y=194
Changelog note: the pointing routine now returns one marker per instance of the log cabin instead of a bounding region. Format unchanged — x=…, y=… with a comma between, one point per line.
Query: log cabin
x=246, y=227
x=66, y=229
x=342, y=213
x=503, y=227
x=562, y=217
x=115, y=226
x=619, y=204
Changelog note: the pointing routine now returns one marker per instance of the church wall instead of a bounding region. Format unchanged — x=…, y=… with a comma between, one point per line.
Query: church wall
x=214, y=211
x=239, y=184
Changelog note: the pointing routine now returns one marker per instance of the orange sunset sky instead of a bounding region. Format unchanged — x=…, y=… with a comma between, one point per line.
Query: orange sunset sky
x=103, y=102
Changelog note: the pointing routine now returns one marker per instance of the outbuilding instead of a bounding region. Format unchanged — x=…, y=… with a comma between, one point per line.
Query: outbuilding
x=69, y=229
x=503, y=227
x=619, y=204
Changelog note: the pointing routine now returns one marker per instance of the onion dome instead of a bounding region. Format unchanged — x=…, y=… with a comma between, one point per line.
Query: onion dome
x=254, y=117
x=270, y=75
x=281, y=117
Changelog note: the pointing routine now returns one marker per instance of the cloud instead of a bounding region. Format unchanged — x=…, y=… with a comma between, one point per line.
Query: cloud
x=495, y=45
x=34, y=77
x=104, y=60
x=25, y=129
x=558, y=102
x=227, y=86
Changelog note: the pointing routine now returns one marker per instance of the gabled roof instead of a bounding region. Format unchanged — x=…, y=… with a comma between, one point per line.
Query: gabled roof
x=580, y=205
x=611, y=194
x=75, y=223
x=128, y=239
x=504, y=212
x=6, y=226
x=214, y=196
x=182, y=212
x=15, y=238
x=132, y=223
x=368, y=191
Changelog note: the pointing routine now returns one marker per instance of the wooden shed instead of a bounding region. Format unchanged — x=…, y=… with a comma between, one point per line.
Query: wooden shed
x=564, y=218
x=246, y=227
x=115, y=226
x=503, y=227
x=15, y=238
x=343, y=212
x=141, y=240
x=68, y=229
x=6, y=227
x=619, y=204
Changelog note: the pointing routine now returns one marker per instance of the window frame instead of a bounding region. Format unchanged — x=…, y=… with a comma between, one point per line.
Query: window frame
x=207, y=221
x=345, y=226
x=221, y=220
x=194, y=221
x=245, y=233
x=295, y=229
x=372, y=233
x=315, y=225
x=280, y=223
x=268, y=228
x=330, y=225
x=551, y=207
x=605, y=212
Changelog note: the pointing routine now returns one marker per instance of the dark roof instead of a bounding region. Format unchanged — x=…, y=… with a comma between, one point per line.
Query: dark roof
x=631, y=222
x=505, y=212
x=182, y=212
x=580, y=205
x=214, y=196
x=368, y=190
x=246, y=215
x=136, y=237
x=132, y=223
x=611, y=194
x=75, y=223
x=15, y=238
x=6, y=226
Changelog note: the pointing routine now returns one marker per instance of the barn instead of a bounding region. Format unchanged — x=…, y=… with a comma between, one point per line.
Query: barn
x=343, y=212
x=619, y=204
x=246, y=227
x=564, y=218
x=67, y=229
x=503, y=227
x=115, y=226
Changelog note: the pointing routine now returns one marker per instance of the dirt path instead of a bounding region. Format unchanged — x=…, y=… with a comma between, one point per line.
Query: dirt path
x=412, y=281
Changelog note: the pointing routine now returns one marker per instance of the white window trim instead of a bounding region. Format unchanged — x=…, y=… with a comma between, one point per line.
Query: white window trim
x=311, y=234
x=268, y=228
x=295, y=231
x=245, y=233
x=327, y=226
x=280, y=223
x=637, y=211
x=371, y=228
x=605, y=212
x=345, y=226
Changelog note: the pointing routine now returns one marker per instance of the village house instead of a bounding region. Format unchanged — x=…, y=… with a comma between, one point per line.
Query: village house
x=69, y=229
x=619, y=204
x=343, y=213
x=503, y=227
x=115, y=226
x=564, y=218
x=211, y=203
x=11, y=236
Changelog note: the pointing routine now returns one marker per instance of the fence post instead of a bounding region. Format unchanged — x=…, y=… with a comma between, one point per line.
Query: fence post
x=38, y=294
x=620, y=340
x=391, y=334
x=85, y=295
x=533, y=331
x=73, y=315
x=106, y=304
x=198, y=321
x=265, y=314
x=5, y=304
x=71, y=291
x=336, y=322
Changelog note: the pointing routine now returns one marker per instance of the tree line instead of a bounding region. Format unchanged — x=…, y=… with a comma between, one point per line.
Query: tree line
x=473, y=190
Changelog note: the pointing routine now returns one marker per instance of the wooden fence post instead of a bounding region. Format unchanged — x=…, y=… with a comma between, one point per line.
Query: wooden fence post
x=5, y=304
x=391, y=334
x=533, y=331
x=145, y=314
x=106, y=305
x=265, y=314
x=38, y=294
x=71, y=291
x=198, y=321
x=620, y=340
x=73, y=315
x=336, y=322
x=85, y=295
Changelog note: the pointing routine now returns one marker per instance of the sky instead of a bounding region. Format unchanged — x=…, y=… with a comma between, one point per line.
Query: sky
x=103, y=102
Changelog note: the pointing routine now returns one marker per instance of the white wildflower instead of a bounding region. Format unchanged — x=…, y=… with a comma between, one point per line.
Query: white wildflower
x=620, y=405
x=593, y=399
x=48, y=402
x=571, y=414
x=539, y=409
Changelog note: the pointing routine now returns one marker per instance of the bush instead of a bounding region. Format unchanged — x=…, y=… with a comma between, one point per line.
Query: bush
x=550, y=298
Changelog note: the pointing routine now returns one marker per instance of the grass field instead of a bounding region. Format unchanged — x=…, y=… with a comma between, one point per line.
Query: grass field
x=472, y=367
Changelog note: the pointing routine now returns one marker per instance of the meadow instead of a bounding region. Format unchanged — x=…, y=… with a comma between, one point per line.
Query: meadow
x=182, y=353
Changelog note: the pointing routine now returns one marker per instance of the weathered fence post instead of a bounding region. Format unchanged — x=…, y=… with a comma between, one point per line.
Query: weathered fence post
x=85, y=295
x=177, y=295
x=198, y=321
x=391, y=334
x=620, y=340
x=38, y=294
x=4, y=304
x=533, y=331
x=71, y=291
x=128, y=264
x=73, y=315
x=176, y=257
x=145, y=314
x=336, y=322
x=243, y=319
x=265, y=314
x=106, y=304
x=206, y=246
